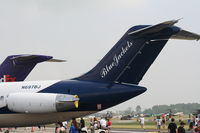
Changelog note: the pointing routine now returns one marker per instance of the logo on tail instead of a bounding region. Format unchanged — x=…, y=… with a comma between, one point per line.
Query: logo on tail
x=7, y=78
x=116, y=59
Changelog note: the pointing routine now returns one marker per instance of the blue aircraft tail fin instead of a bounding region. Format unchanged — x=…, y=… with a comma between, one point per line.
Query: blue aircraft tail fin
x=17, y=67
x=134, y=53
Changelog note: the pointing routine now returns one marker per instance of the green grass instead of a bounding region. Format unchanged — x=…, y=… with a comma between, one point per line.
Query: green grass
x=149, y=124
x=131, y=124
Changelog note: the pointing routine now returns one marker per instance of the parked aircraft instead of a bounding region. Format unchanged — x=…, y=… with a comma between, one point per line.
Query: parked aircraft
x=17, y=67
x=112, y=81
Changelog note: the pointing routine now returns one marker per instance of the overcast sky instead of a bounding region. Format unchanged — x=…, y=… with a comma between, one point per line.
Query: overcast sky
x=83, y=31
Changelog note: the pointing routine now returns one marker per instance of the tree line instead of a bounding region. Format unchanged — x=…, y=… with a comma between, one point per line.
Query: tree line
x=188, y=108
x=181, y=107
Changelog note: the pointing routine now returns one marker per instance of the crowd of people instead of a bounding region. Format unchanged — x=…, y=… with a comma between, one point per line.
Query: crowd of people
x=62, y=127
x=96, y=124
x=172, y=128
x=76, y=127
x=72, y=127
x=194, y=124
x=105, y=124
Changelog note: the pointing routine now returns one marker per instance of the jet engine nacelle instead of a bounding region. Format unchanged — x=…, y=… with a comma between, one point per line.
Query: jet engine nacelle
x=40, y=102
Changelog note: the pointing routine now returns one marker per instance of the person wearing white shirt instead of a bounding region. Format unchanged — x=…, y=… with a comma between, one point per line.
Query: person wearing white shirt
x=103, y=123
x=142, y=122
x=158, y=123
x=64, y=124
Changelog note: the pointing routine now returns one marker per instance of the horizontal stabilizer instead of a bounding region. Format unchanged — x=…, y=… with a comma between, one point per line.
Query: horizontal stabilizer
x=27, y=57
x=154, y=28
x=56, y=60
x=186, y=35
x=39, y=58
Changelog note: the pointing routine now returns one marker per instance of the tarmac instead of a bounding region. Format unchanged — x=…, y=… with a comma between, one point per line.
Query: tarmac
x=52, y=130
x=115, y=130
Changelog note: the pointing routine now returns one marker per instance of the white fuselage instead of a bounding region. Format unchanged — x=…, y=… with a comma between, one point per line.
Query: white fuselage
x=22, y=87
x=28, y=119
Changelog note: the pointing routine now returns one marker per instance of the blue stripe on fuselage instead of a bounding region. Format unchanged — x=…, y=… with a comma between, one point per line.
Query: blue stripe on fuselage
x=92, y=93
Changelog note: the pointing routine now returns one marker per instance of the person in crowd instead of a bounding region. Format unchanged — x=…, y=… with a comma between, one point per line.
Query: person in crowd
x=82, y=123
x=65, y=125
x=91, y=122
x=98, y=125
x=163, y=122
x=172, y=127
x=180, y=118
x=57, y=126
x=74, y=127
x=109, y=125
x=181, y=128
x=103, y=123
x=158, y=123
x=60, y=128
x=95, y=119
x=39, y=127
x=167, y=118
x=91, y=125
x=196, y=120
x=191, y=125
x=141, y=120
x=197, y=129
